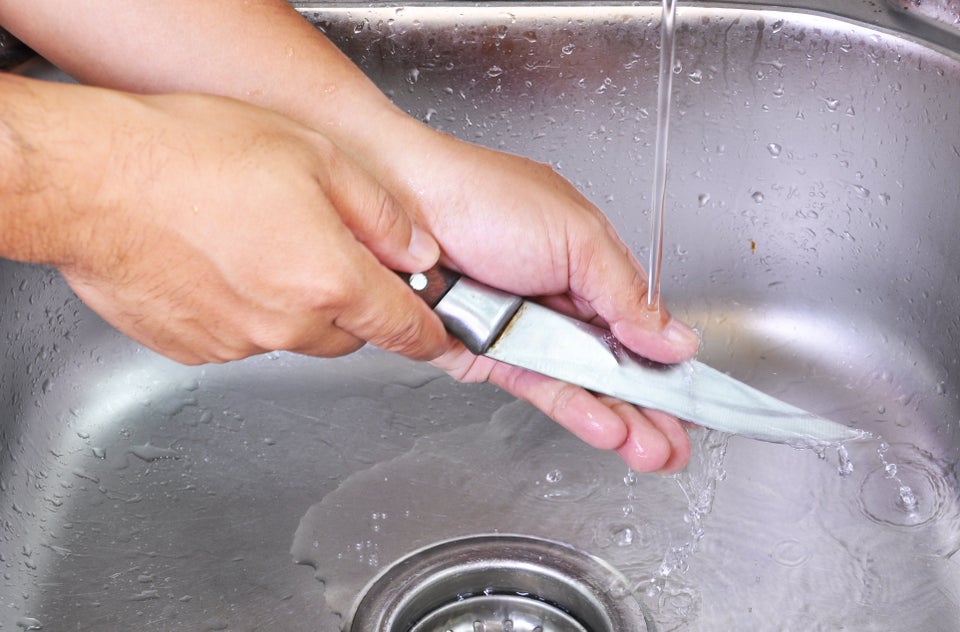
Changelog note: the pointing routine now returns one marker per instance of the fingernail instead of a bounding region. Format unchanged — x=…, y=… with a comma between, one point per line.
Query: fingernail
x=679, y=334
x=423, y=248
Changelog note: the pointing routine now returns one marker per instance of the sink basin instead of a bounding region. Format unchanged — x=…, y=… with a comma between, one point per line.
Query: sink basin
x=813, y=209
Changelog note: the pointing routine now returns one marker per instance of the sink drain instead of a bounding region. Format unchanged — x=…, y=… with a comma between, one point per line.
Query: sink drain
x=498, y=584
x=498, y=613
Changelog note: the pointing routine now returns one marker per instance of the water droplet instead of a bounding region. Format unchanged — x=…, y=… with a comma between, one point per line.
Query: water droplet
x=845, y=465
x=702, y=199
x=862, y=191
x=696, y=76
x=774, y=149
x=147, y=452
x=568, y=49
x=29, y=623
x=832, y=104
x=623, y=537
x=908, y=499
x=494, y=71
x=144, y=595
x=776, y=26
x=413, y=75
x=554, y=476
x=757, y=197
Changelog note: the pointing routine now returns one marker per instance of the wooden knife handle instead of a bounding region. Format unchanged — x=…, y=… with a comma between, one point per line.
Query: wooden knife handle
x=472, y=312
x=431, y=285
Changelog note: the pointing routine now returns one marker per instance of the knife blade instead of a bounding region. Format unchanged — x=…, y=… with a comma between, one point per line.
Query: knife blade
x=522, y=333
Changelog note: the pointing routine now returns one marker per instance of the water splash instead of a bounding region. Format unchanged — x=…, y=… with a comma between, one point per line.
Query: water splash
x=674, y=597
x=908, y=492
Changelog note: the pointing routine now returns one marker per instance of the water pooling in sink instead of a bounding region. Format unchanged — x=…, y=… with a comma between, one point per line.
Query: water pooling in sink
x=523, y=474
x=829, y=545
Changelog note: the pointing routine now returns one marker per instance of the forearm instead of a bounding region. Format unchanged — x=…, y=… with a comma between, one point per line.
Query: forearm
x=48, y=142
x=262, y=52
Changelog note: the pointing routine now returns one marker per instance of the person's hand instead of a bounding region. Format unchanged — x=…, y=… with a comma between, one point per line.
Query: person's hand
x=518, y=226
x=210, y=230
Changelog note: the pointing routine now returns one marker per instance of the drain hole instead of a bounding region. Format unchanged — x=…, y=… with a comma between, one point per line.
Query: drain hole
x=498, y=584
x=498, y=613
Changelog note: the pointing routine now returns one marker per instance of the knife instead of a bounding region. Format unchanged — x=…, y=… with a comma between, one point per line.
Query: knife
x=520, y=332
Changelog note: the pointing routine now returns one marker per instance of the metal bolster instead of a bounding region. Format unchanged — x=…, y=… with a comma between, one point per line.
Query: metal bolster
x=476, y=314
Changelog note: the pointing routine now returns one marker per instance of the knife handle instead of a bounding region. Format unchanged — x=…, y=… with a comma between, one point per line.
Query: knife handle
x=431, y=285
x=474, y=313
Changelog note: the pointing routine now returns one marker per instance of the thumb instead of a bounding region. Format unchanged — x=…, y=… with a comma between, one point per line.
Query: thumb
x=377, y=220
x=615, y=286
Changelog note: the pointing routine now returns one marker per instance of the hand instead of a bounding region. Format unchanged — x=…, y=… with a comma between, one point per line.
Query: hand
x=517, y=225
x=216, y=230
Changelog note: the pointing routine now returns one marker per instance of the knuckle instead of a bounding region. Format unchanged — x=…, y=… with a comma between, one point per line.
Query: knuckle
x=274, y=339
x=561, y=400
x=407, y=338
x=384, y=217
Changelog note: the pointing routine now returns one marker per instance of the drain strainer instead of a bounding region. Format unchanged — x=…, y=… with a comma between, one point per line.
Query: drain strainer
x=498, y=613
x=498, y=584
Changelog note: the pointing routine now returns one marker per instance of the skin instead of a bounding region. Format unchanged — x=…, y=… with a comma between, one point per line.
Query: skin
x=172, y=192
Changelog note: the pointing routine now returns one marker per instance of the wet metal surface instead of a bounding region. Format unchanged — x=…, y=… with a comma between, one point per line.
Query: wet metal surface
x=812, y=213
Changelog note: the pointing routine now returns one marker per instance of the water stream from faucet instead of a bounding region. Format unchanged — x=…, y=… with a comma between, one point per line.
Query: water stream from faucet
x=658, y=197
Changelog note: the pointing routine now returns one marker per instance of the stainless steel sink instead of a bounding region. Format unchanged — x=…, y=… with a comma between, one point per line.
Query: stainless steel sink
x=813, y=221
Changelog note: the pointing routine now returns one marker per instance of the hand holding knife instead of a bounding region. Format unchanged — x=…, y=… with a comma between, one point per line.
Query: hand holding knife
x=520, y=332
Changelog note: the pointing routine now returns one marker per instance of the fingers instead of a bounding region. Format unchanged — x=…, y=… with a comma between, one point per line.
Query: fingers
x=376, y=219
x=605, y=274
x=648, y=441
x=386, y=313
x=656, y=441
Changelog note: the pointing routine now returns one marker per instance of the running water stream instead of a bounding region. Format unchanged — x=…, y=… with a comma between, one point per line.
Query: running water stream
x=658, y=197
